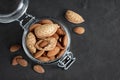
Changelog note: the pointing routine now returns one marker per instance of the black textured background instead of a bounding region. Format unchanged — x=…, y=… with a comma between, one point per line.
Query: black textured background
x=97, y=51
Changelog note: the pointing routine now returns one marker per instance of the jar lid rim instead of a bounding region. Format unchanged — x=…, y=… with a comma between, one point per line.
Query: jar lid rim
x=16, y=14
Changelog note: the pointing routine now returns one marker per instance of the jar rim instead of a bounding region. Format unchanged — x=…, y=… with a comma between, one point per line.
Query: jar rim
x=16, y=14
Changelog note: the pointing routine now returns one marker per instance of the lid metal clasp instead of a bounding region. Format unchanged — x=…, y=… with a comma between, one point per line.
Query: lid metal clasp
x=66, y=61
x=25, y=20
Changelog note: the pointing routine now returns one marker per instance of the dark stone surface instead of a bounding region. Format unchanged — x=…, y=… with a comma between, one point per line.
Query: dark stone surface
x=97, y=51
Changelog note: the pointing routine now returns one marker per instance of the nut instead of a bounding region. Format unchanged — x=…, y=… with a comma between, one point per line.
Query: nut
x=46, y=21
x=52, y=58
x=43, y=43
x=53, y=52
x=31, y=39
x=22, y=62
x=46, y=30
x=65, y=40
x=15, y=48
x=79, y=30
x=73, y=17
x=30, y=42
x=55, y=36
x=38, y=54
x=34, y=26
x=60, y=32
x=43, y=59
x=59, y=45
x=38, y=69
x=44, y=54
x=52, y=43
x=32, y=48
x=14, y=62
x=60, y=53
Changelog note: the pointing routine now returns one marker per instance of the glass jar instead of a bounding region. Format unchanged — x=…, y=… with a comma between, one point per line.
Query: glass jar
x=26, y=20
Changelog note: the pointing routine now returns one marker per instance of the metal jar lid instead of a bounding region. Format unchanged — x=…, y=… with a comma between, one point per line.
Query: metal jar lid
x=11, y=10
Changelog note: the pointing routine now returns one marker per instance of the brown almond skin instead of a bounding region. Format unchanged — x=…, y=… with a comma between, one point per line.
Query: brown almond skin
x=79, y=30
x=45, y=30
x=14, y=62
x=60, y=32
x=60, y=53
x=53, y=52
x=39, y=53
x=44, y=54
x=15, y=48
x=43, y=43
x=38, y=69
x=52, y=44
x=65, y=40
x=52, y=58
x=46, y=21
x=43, y=59
x=31, y=28
x=55, y=36
x=59, y=45
x=22, y=62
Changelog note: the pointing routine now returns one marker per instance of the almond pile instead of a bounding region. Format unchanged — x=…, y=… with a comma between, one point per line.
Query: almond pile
x=46, y=40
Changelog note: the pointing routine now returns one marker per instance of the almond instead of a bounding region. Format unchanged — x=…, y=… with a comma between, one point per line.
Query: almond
x=43, y=59
x=59, y=45
x=45, y=30
x=43, y=43
x=44, y=54
x=60, y=53
x=22, y=62
x=55, y=36
x=34, y=26
x=73, y=17
x=65, y=40
x=37, y=45
x=38, y=69
x=31, y=48
x=15, y=48
x=53, y=52
x=79, y=30
x=30, y=42
x=38, y=54
x=30, y=39
x=52, y=58
x=52, y=43
x=46, y=21
x=60, y=32
x=14, y=62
